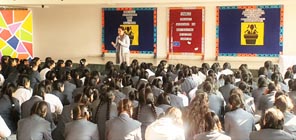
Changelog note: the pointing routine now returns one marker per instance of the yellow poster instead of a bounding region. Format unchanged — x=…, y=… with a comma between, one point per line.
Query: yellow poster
x=252, y=33
x=133, y=32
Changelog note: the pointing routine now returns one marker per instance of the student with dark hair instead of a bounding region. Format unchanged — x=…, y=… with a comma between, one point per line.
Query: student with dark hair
x=272, y=127
x=228, y=86
x=80, y=128
x=238, y=122
x=169, y=127
x=172, y=91
x=68, y=86
x=157, y=86
x=257, y=93
x=227, y=69
x=9, y=107
x=105, y=111
x=123, y=127
x=51, y=76
x=68, y=65
x=59, y=69
x=82, y=67
x=56, y=105
x=277, y=80
x=66, y=116
x=24, y=91
x=146, y=112
x=5, y=65
x=213, y=129
x=268, y=65
x=35, y=126
x=248, y=101
x=164, y=101
x=34, y=74
x=127, y=84
x=38, y=95
x=49, y=66
x=133, y=97
x=46, y=61
x=12, y=72
x=266, y=101
x=216, y=102
x=58, y=89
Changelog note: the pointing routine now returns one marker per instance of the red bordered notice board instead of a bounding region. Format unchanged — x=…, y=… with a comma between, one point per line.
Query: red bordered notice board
x=186, y=30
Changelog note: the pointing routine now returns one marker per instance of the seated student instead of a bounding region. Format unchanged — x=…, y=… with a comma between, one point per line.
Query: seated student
x=48, y=67
x=147, y=112
x=24, y=91
x=272, y=127
x=8, y=105
x=105, y=110
x=35, y=127
x=80, y=128
x=123, y=127
x=238, y=122
x=169, y=127
x=284, y=104
x=266, y=101
x=213, y=129
x=164, y=101
x=4, y=130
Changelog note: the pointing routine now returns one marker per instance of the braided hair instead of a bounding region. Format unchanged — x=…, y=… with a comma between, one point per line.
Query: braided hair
x=106, y=96
x=146, y=97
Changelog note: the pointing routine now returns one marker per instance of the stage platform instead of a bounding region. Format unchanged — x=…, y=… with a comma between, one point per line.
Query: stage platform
x=98, y=62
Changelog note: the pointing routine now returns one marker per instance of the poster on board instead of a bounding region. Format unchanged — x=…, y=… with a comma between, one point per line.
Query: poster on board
x=139, y=24
x=186, y=30
x=249, y=30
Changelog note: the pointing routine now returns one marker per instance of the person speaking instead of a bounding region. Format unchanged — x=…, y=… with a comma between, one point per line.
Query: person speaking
x=122, y=46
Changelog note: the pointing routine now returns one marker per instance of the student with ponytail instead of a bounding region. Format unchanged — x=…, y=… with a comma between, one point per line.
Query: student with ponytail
x=147, y=112
x=106, y=110
x=65, y=117
x=123, y=127
x=80, y=128
x=35, y=127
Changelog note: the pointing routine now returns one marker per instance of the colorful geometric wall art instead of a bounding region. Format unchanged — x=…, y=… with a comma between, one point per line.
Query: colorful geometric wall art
x=139, y=24
x=249, y=30
x=16, y=33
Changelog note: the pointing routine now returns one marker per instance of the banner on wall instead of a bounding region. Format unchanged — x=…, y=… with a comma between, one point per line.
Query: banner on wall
x=186, y=30
x=16, y=33
x=139, y=24
x=250, y=30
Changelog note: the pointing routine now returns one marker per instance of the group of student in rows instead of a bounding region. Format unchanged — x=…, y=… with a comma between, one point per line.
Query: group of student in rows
x=55, y=101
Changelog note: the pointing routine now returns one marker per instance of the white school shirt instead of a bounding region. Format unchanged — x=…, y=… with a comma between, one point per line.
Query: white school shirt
x=22, y=94
x=56, y=105
x=4, y=130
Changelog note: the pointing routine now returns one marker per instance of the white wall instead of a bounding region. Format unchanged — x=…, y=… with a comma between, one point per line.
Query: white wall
x=75, y=31
x=67, y=31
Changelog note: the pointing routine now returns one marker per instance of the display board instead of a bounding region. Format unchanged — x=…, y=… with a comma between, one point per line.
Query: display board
x=139, y=24
x=186, y=30
x=249, y=30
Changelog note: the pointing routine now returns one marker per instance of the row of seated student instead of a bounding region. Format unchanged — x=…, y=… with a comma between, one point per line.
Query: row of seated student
x=139, y=101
